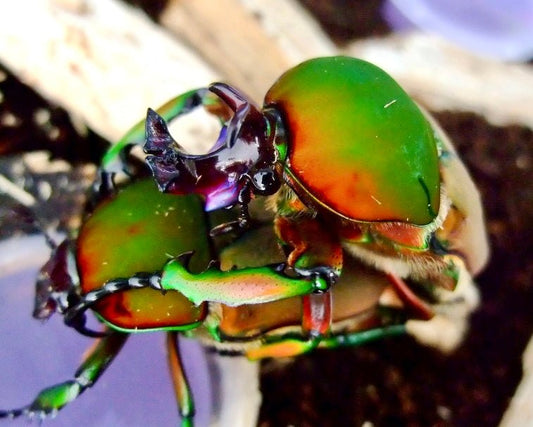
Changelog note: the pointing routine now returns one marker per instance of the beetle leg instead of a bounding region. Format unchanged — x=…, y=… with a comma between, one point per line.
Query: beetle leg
x=242, y=223
x=421, y=309
x=253, y=285
x=316, y=323
x=313, y=251
x=103, y=186
x=52, y=399
x=179, y=381
x=74, y=315
x=289, y=345
x=285, y=347
x=362, y=337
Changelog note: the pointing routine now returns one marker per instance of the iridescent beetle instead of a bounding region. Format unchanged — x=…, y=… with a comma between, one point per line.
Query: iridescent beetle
x=149, y=227
x=355, y=172
x=354, y=168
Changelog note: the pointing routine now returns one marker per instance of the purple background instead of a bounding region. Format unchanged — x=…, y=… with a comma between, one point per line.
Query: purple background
x=134, y=391
x=496, y=28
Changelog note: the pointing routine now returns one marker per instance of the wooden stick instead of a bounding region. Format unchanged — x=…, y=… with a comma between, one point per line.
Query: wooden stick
x=100, y=59
x=520, y=411
x=251, y=42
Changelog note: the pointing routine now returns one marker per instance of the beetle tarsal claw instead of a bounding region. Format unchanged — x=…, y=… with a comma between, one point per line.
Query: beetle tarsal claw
x=238, y=226
x=214, y=264
x=241, y=224
x=323, y=277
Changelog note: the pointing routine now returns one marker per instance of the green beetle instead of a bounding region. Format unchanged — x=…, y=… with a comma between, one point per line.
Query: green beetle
x=353, y=167
x=157, y=235
x=366, y=196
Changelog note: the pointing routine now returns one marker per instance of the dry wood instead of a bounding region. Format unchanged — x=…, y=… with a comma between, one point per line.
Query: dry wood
x=100, y=59
x=520, y=411
x=249, y=41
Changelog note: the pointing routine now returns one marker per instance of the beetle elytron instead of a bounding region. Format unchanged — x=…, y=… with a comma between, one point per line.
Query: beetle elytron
x=362, y=191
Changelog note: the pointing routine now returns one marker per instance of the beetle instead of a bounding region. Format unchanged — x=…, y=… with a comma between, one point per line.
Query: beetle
x=353, y=167
x=385, y=256
x=88, y=272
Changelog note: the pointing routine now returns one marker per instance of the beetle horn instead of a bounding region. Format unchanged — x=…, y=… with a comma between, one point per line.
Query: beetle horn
x=239, y=104
x=164, y=159
x=231, y=96
x=158, y=138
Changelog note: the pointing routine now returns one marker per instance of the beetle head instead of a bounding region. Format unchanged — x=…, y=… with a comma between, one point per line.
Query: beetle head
x=242, y=160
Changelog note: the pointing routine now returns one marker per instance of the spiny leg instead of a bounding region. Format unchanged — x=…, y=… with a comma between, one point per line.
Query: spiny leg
x=242, y=223
x=52, y=399
x=252, y=285
x=314, y=254
x=293, y=344
x=355, y=339
x=179, y=381
x=313, y=251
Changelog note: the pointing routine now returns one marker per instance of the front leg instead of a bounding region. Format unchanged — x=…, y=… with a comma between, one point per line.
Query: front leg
x=252, y=285
x=313, y=253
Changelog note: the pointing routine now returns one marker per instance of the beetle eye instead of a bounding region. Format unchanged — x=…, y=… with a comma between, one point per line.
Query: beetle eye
x=266, y=182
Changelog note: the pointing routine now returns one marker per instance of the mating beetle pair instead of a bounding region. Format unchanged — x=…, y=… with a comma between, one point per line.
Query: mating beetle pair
x=366, y=199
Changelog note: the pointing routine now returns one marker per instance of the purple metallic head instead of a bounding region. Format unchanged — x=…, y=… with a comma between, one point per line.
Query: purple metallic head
x=241, y=161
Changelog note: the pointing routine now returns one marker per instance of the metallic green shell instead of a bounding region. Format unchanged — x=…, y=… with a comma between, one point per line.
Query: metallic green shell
x=139, y=230
x=357, y=143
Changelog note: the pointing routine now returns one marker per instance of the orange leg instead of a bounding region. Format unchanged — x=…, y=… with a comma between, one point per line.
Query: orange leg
x=316, y=323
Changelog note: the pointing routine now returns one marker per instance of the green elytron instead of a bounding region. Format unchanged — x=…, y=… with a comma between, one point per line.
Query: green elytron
x=344, y=194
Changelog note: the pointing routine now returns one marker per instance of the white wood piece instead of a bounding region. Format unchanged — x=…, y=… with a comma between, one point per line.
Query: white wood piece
x=100, y=59
x=520, y=411
x=251, y=42
x=292, y=28
x=238, y=391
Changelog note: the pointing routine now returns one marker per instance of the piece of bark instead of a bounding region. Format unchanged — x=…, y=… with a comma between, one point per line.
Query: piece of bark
x=250, y=42
x=102, y=60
